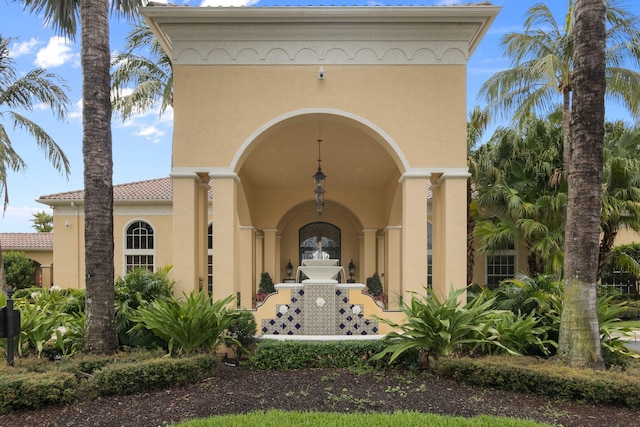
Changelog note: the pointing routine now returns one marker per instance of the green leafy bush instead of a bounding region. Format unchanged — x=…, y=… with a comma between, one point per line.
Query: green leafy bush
x=241, y=334
x=18, y=270
x=138, y=288
x=190, y=325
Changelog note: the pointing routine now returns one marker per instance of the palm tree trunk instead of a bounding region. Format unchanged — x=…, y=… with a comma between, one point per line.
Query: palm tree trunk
x=566, y=129
x=579, y=341
x=606, y=244
x=99, y=333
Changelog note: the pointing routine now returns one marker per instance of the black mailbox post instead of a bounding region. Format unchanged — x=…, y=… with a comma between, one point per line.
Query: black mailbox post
x=9, y=325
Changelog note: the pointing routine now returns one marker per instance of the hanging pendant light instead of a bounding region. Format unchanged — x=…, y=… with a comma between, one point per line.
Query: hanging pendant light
x=319, y=180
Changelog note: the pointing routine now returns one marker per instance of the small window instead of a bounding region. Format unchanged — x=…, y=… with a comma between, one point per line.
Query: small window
x=501, y=265
x=139, y=247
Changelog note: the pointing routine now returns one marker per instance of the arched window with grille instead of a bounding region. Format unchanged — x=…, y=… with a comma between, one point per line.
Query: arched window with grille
x=139, y=246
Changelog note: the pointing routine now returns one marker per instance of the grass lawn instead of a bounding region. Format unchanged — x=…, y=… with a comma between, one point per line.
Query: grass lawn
x=633, y=324
x=397, y=419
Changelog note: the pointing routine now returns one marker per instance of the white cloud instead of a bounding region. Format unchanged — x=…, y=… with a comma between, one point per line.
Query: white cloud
x=57, y=53
x=151, y=133
x=19, y=49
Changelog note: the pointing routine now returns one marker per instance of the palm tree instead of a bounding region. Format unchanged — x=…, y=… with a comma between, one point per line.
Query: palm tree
x=19, y=95
x=579, y=341
x=543, y=67
x=99, y=332
x=42, y=222
x=621, y=189
x=476, y=125
x=518, y=195
x=151, y=76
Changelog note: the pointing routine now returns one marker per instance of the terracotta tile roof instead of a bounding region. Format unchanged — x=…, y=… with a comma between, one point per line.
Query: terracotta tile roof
x=152, y=189
x=25, y=241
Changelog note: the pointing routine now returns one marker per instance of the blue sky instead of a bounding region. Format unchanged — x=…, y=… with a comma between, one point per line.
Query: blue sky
x=142, y=145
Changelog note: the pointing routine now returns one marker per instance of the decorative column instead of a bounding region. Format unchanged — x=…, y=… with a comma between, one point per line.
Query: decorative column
x=414, y=234
x=450, y=232
x=225, y=268
x=393, y=261
x=259, y=262
x=247, y=261
x=187, y=258
x=270, y=251
x=368, y=266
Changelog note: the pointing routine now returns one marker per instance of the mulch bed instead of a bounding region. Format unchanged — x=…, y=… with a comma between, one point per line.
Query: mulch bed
x=239, y=390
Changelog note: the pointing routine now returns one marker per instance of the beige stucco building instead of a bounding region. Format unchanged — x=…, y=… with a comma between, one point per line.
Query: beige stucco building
x=263, y=98
x=383, y=89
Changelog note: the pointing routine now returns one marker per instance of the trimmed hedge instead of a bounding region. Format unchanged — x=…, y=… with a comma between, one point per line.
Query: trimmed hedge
x=156, y=374
x=29, y=391
x=273, y=354
x=116, y=375
x=528, y=375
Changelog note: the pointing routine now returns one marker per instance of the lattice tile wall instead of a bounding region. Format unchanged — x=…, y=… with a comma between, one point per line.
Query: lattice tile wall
x=319, y=310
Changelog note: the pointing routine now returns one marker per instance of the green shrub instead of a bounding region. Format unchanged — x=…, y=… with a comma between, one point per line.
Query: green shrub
x=156, y=374
x=290, y=354
x=266, y=284
x=18, y=270
x=527, y=375
x=28, y=391
x=139, y=287
x=374, y=285
x=190, y=325
x=241, y=334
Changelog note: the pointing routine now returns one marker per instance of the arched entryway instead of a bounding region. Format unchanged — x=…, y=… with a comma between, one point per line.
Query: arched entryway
x=319, y=231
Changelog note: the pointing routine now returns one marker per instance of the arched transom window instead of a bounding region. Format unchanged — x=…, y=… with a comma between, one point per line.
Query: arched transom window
x=139, y=246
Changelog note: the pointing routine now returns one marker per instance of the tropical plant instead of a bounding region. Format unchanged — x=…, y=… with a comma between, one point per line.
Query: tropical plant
x=145, y=66
x=610, y=329
x=18, y=269
x=44, y=320
x=441, y=329
x=100, y=334
x=518, y=334
x=42, y=222
x=519, y=197
x=621, y=188
x=623, y=264
x=579, y=341
x=193, y=324
x=476, y=125
x=139, y=287
x=543, y=66
x=19, y=95
x=525, y=294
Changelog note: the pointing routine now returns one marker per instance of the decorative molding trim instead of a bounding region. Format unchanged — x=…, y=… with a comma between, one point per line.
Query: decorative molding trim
x=415, y=35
